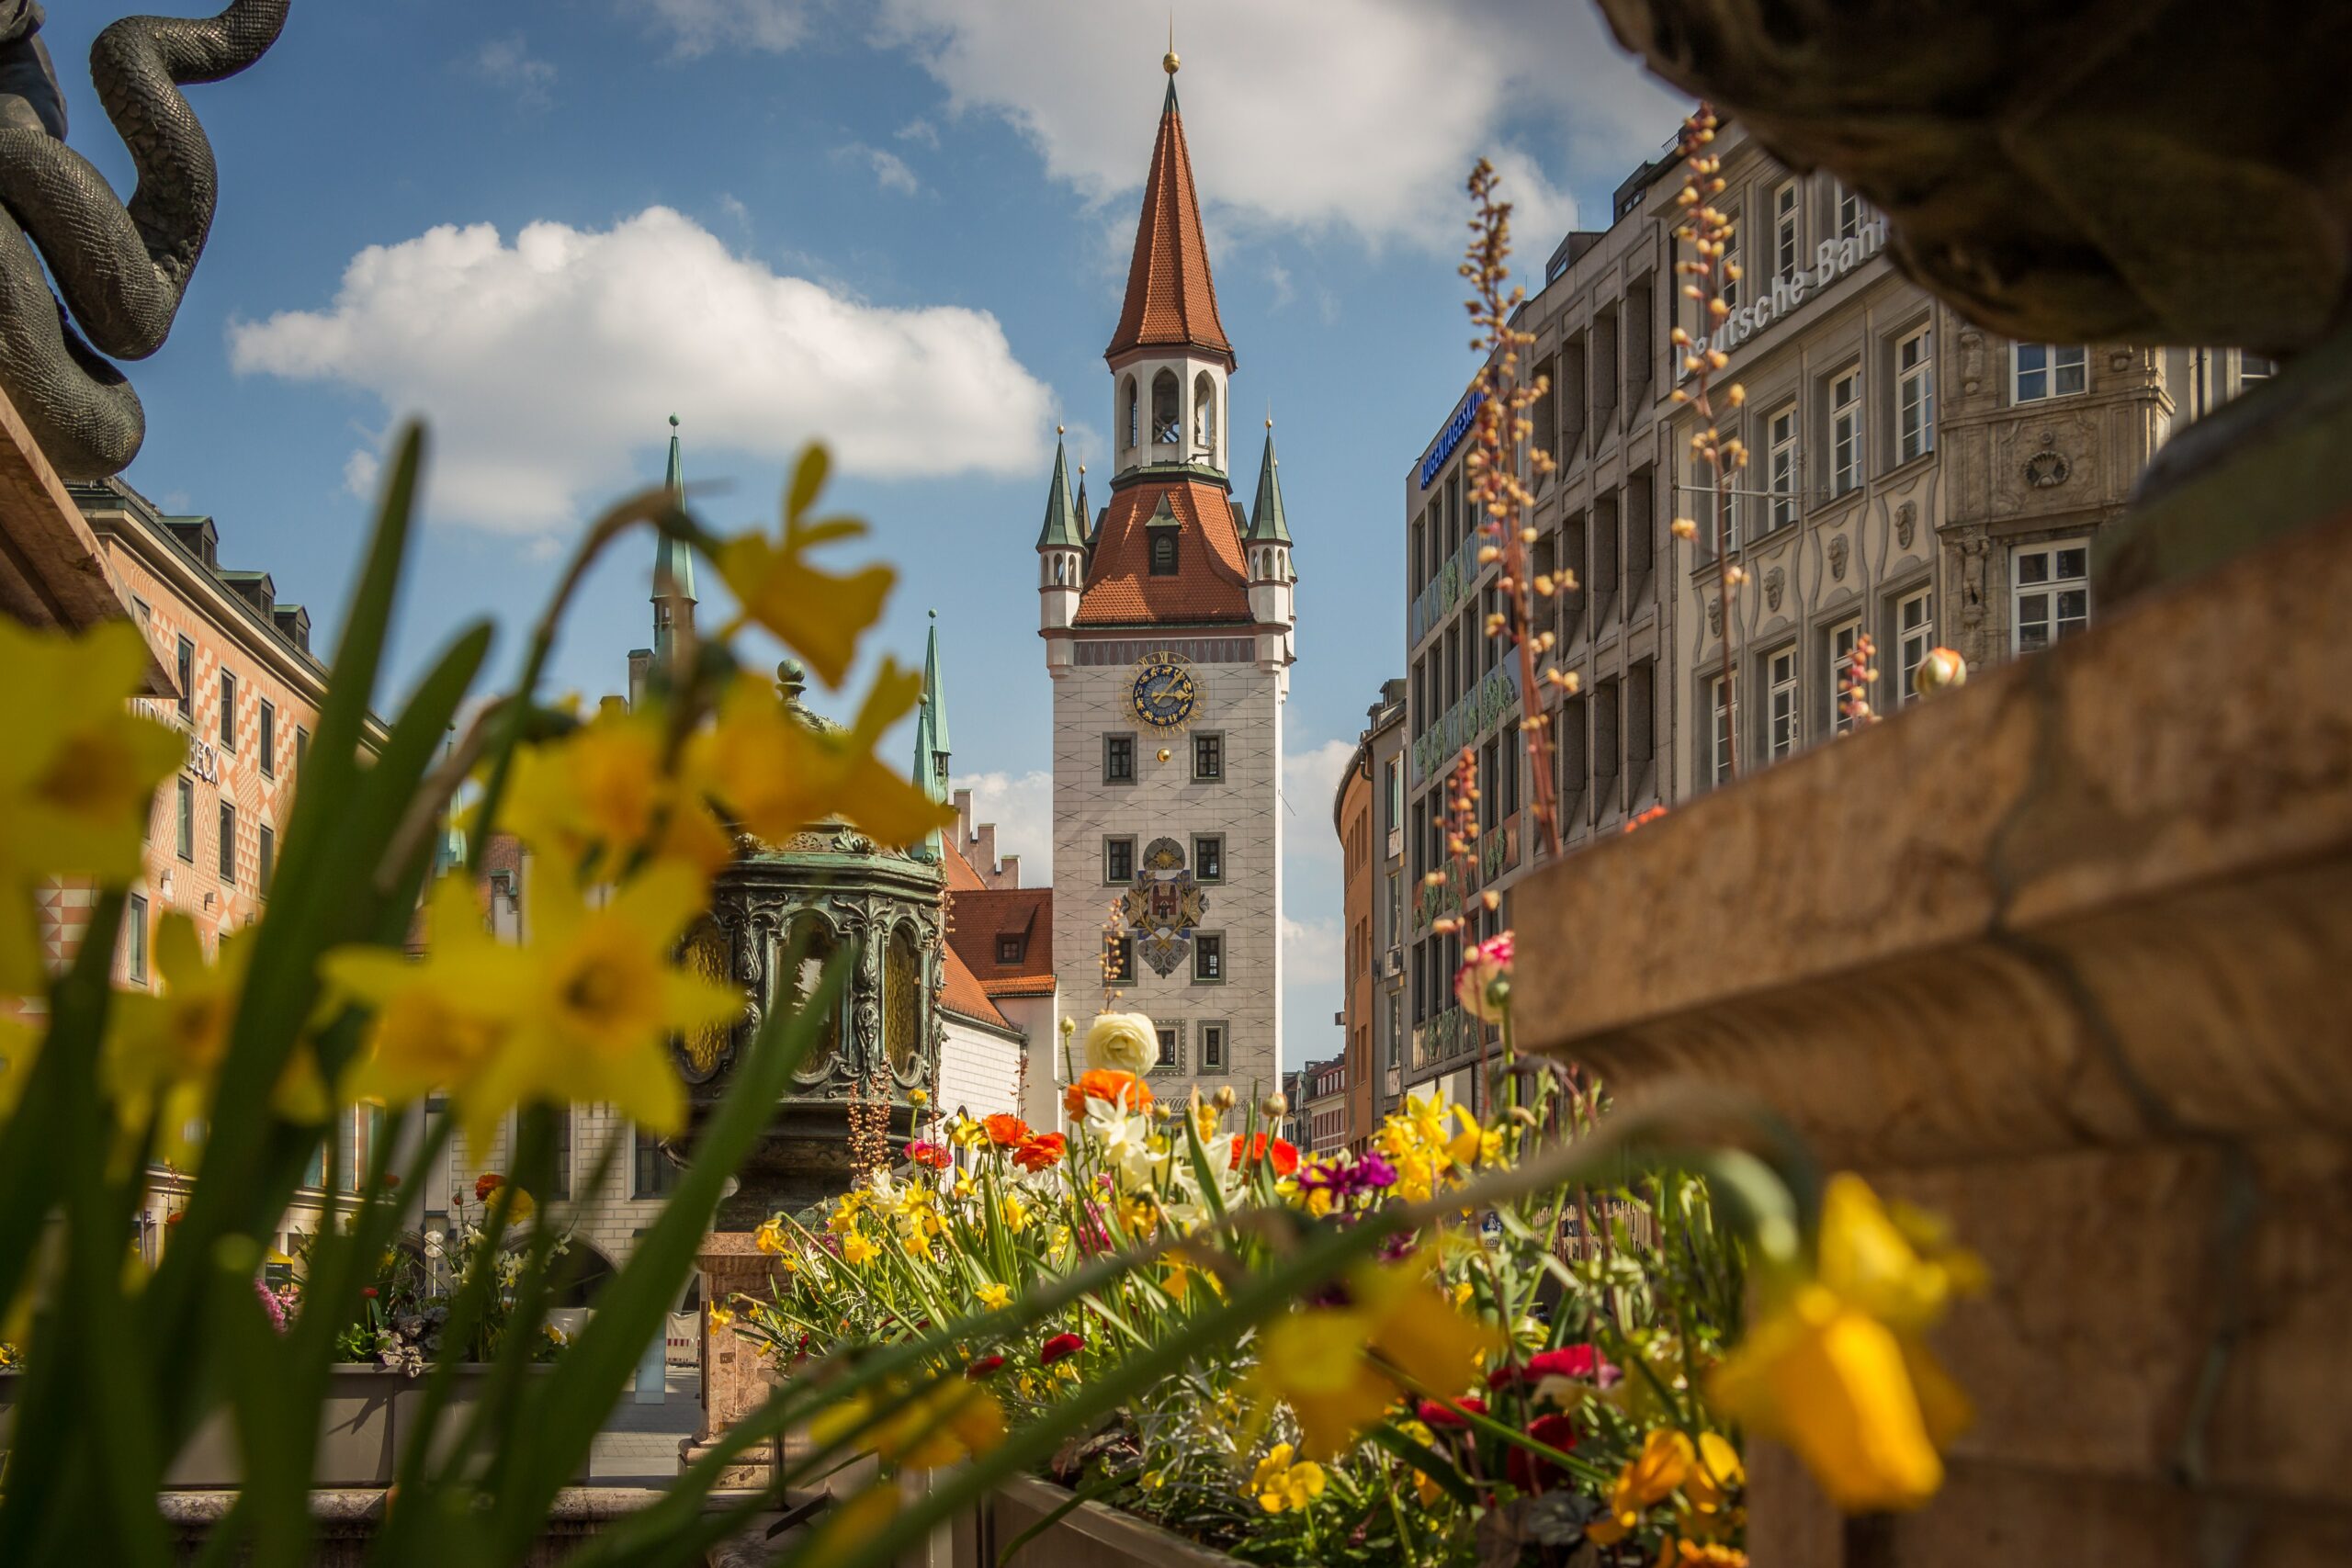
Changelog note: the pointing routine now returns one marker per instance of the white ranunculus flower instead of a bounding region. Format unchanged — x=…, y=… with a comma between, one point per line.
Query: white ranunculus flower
x=1122, y=1042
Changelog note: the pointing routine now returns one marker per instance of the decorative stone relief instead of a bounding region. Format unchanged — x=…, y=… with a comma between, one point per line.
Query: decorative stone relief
x=1839, y=549
x=1774, y=581
x=1715, y=616
x=2048, y=468
x=1907, y=522
x=1971, y=361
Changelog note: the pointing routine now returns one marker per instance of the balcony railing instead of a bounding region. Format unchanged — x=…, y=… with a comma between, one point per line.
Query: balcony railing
x=1467, y=721
x=1447, y=587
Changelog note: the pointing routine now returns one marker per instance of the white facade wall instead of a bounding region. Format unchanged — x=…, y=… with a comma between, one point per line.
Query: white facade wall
x=979, y=1070
x=1242, y=702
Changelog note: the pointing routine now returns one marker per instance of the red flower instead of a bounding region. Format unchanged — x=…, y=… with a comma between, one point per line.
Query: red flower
x=1528, y=1472
x=1578, y=1363
x=392, y=1178
x=931, y=1154
x=368, y=1292
x=983, y=1366
x=488, y=1183
x=1437, y=1416
x=1059, y=1347
x=1285, y=1153
x=175, y=1217
x=1042, y=1152
x=1006, y=1131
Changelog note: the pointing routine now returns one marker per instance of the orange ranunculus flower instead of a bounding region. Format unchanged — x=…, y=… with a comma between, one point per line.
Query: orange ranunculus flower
x=1121, y=1089
x=1285, y=1152
x=1041, y=1153
x=1005, y=1130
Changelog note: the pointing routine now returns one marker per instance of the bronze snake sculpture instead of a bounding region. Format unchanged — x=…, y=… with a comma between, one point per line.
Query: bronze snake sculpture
x=121, y=270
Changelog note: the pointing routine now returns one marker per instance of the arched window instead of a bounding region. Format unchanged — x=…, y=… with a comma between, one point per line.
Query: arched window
x=817, y=945
x=1205, y=415
x=1163, y=553
x=1128, y=391
x=903, y=1002
x=1167, y=423
x=706, y=954
x=1062, y=568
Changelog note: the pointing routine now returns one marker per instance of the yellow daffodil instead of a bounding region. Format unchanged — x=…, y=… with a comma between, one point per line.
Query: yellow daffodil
x=720, y=1318
x=1716, y=1477
x=1014, y=1213
x=843, y=1530
x=770, y=1237
x=439, y=1020
x=589, y=799
x=1280, y=1485
x=163, y=1050
x=20, y=1046
x=818, y=614
x=777, y=773
x=77, y=777
x=1834, y=1366
x=857, y=1250
x=994, y=1296
x=954, y=1420
x=600, y=1001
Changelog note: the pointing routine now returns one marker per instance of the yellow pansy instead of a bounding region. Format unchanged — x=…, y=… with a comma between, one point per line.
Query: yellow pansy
x=1280, y=1485
x=993, y=1296
x=818, y=614
x=777, y=773
x=77, y=777
x=600, y=1001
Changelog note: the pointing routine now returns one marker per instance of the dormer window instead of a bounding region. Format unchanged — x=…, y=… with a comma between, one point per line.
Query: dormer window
x=1008, y=950
x=1163, y=555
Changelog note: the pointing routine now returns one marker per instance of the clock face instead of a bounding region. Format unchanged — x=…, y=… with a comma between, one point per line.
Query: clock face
x=1163, y=691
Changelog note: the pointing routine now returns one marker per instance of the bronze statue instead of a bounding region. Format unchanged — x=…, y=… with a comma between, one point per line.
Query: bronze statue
x=122, y=270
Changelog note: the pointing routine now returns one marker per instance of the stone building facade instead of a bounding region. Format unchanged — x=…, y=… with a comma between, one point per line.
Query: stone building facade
x=1168, y=629
x=1368, y=815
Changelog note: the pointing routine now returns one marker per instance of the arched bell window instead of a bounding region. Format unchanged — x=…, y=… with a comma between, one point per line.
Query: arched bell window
x=1166, y=421
x=1127, y=400
x=903, y=1002
x=1204, y=416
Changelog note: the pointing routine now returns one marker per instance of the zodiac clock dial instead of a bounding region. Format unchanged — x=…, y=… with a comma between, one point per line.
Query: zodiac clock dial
x=1163, y=691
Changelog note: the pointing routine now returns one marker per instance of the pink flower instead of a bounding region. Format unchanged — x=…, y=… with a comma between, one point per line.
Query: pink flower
x=1483, y=968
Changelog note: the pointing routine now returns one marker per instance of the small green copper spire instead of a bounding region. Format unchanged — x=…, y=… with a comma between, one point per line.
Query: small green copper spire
x=1063, y=529
x=1266, y=524
x=1085, y=516
x=930, y=734
x=674, y=566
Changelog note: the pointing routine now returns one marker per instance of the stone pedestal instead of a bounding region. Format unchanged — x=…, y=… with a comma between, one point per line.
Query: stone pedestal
x=735, y=1377
x=2065, y=955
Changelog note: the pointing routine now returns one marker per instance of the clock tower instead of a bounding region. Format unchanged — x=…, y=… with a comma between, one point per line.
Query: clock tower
x=1168, y=631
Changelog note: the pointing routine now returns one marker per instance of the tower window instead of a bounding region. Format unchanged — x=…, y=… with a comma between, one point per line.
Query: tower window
x=1203, y=416
x=1208, y=756
x=1163, y=554
x=1118, y=758
x=1166, y=423
x=1130, y=409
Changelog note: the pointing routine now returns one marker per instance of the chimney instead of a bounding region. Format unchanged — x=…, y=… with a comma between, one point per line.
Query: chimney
x=983, y=842
x=963, y=799
x=640, y=665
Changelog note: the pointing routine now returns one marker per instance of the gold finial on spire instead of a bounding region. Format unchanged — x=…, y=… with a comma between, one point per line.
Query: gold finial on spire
x=1170, y=61
x=1058, y=430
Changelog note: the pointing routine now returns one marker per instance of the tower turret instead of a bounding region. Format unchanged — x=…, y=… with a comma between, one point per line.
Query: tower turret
x=932, y=748
x=1267, y=546
x=1061, y=562
x=673, y=569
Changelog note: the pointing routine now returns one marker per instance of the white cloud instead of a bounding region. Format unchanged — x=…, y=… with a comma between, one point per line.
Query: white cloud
x=1310, y=952
x=920, y=131
x=1022, y=806
x=546, y=364
x=1358, y=115
x=700, y=26
x=360, y=471
x=507, y=63
x=1310, y=782
x=890, y=171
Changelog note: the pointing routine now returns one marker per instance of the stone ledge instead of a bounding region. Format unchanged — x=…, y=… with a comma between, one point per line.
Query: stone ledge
x=2099, y=897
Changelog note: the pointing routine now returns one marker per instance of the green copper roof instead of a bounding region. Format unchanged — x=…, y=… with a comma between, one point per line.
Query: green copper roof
x=931, y=738
x=935, y=692
x=1266, y=524
x=672, y=562
x=1063, y=529
x=1085, y=517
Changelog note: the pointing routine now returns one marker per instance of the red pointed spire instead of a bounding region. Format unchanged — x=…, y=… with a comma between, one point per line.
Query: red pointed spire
x=1172, y=299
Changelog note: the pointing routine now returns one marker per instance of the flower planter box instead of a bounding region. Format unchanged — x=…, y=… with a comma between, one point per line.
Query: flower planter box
x=1092, y=1534
x=364, y=1423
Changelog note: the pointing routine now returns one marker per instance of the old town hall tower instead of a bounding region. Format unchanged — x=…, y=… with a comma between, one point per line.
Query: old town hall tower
x=1167, y=621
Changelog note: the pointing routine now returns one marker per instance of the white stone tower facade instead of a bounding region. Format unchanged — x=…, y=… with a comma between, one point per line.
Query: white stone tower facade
x=1168, y=627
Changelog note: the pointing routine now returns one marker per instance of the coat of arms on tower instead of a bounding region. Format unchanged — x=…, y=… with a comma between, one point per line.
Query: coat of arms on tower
x=1163, y=907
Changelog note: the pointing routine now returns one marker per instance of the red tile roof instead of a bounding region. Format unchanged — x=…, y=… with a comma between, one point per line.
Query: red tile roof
x=975, y=920
x=964, y=996
x=961, y=877
x=1171, y=299
x=1210, y=583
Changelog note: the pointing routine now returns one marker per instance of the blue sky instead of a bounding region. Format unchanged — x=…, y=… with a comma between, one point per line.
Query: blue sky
x=902, y=226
